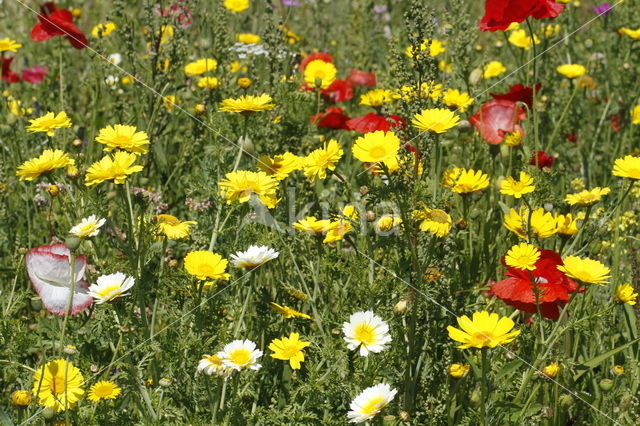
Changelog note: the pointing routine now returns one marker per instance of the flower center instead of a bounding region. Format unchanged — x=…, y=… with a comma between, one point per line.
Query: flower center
x=374, y=404
x=107, y=291
x=364, y=333
x=240, y=357
x=378, y=152
x=59, y=385
x=483, y=337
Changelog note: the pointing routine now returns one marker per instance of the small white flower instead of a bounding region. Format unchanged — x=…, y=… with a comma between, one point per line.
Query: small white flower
x=88, y=227
x=367, y=330
x=240, y=354
x=253, y=256
x=212, y=364
x=109, y=287
x=111, y=80
x=370, y=402
x=114, y=58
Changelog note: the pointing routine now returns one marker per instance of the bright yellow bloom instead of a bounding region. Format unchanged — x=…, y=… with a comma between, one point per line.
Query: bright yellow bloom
x=49, y=122
x=543, y=224
x=435, y=120
x=103, y=390
x=571, y=70
x=485, y=330
x=567, y=224
x=320, y=74
x=635, y=115
x=205, y=265
x=200, y=66
x=428, y=89
x=8, y=45
x=625, y=293
x=21, y=398
x=248, y=38
x=522, y=256
x=123, y=137
x=587, y=197
x=627, y=167
x=312, y=225
x=586, y=270
x=58, y=385
x=166, y=34
x=634, y=34
x=388, y=222
x=322, y=159
x=435, y=221
x=458, y=370
x=435, y=47
x=236, y=6
x=280, y=166
x=457, y=99
x=47, y=161
x=289, y=349
x=169, y=102
x=171, y=227
x=240, y=185
x=339, y=229
x=377, y=97
x=468, y=180
x=116, y=168
x=520, y=39
x=376, y=147
x=513, y=139
x=510, y=186
x=247, y=104
x=551, y=370
x=288, y=312
x=103, y=30
x=208, y=83
x=493, y=69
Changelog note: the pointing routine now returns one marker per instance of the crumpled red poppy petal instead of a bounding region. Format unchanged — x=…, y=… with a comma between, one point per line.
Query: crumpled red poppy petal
x=332, y=118
x=499, y=14
x=496, y=118
x=361, y=78
x=373, y=122
x=339, y=91
x=518, y=93
x=8, y=75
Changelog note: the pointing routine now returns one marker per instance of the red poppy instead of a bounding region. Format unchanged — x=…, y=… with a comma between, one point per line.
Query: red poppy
x=322, y=56
x=180, y=13
x=332, y=118
x=361, y=78
x=496, y=118
x=57, y=22
x=499, y=14
x=519, y=93
x=572, y=137
x=8, y=75
x=518, y=289
x=35, y=74
x=373, y=122
x=541, y=160
x=339, y=91
x=616, y=122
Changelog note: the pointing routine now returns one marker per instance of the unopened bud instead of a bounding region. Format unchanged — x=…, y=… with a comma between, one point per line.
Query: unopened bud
x=370, y=216
x=164, y=382
x=77, y=143
x=401, y=306
x=53, y=190
x=70, y=350
x=606, y=384
x=72, y=243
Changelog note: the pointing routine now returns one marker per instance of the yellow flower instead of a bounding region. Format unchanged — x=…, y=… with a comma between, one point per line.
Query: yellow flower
x=388, y=222
x=551, y=30
x=587, y=197
x=58, y=385
x=322, y=159
x=248, y=38
x=618, y=370
x=543, y=224
x=444, y=66
x=244, y=82
x=428, y=89
x=586, y=270
x=567, y=224
x=376, y=147
x=635, y=115
x=205, y=265
x=280, y=166
x=123, y=137
x=520, y=39
x=456, y=99
x=8, y=45
x=200, y=66
x=377, y=97
x=21, y=398
x=247, y=104
x=434, y=221
x=435, y=47
x=627, y=167
x=290, y=36
x=510, y=186
x=337, y=232
x=468, y=180
x=522, y=256
x=551, y=370
x=625, y=293
x=49, y=123
x=116, y=168
x=166, y=34
x=15, y=108
x=236, y=6
x=172, y=227
x=493, y=69
x=288, y=312
x=571, y=70
x=103, y=30
x=458, y=370
x=240, y=185
x=208, y=83
x=312, y=225
x=485, y=330
x=47, y=161
x=435, y=120
x=169, y=102
x=289, y=349
x=634, y=34
x=320, y=74
x=103, y=390
x=513, y=139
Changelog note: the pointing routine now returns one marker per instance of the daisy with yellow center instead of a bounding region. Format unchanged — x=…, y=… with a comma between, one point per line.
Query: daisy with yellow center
x=8, y=45
x=376, y=147
x=200, y=66
x=58, y=385
x=435, y=221
x=510, y=186
x=280, y=166
x=366, y=331
x=209, y=83
x=254, y=256
x=206, y=265
x=241, y=185
x=48, y=161
x=522, y=256
x=316, y=164
x=172, y=228
x=627, y=167
x=312, y=225
x=484, y=330
x=212, y=364
x=123, y=137
x=289, y=349
x=116, y=168
x=49, y=122
x=457, y=99
x=103, y=30
x=247, y=104
x=288, y=312
x=370, y=402
x=320, y=74
x=88, y=227
x=110, y=287
x=240, y=355
x=466, y=181
x=493, y=69
x=587, y=270
x=103, y=389
x=625, y=293
x=587, y=197
x=377, y=97
x=435, y=120
x=236, y=6
x=571, y=70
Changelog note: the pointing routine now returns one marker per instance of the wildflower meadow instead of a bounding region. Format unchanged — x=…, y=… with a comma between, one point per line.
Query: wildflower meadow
x=320, y=212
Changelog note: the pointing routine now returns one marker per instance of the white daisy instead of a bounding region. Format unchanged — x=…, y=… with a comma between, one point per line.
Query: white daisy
x=367, y=330
x=253, y=256
x=109, y=287
x=240, y=354
x=88, y=227
x=370, y=402
x=212, y=364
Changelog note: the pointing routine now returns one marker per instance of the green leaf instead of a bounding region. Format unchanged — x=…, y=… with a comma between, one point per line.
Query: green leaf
x=508, y=368
x=596, y=361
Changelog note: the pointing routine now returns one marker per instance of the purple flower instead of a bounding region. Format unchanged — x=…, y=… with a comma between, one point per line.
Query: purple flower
x=603, y=9
x=380, y=9
x=290, y=3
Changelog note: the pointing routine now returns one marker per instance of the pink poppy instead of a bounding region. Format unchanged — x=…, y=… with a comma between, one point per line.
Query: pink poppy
x=34, y=74
x=496, y=119
x=361, y=78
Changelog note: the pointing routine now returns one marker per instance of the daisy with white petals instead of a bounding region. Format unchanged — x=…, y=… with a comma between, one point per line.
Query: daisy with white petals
x=240, y=355
x=370, y=402
x=110, y=287
x=367, y=330
x=88, y=227
x=212, y=364
x=253, y=256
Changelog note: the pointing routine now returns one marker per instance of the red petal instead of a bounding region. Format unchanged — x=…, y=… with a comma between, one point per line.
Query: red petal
x=496, y=118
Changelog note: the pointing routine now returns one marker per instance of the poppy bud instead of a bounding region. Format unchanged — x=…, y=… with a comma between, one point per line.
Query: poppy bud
x=465, y=127
x=606, y=384
x=72, y=243
x=475, y=397
x=475, y=77
x=547, y=412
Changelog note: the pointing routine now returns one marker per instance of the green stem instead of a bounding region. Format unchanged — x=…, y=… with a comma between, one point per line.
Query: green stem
x=484, y=387
x=72, y=288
